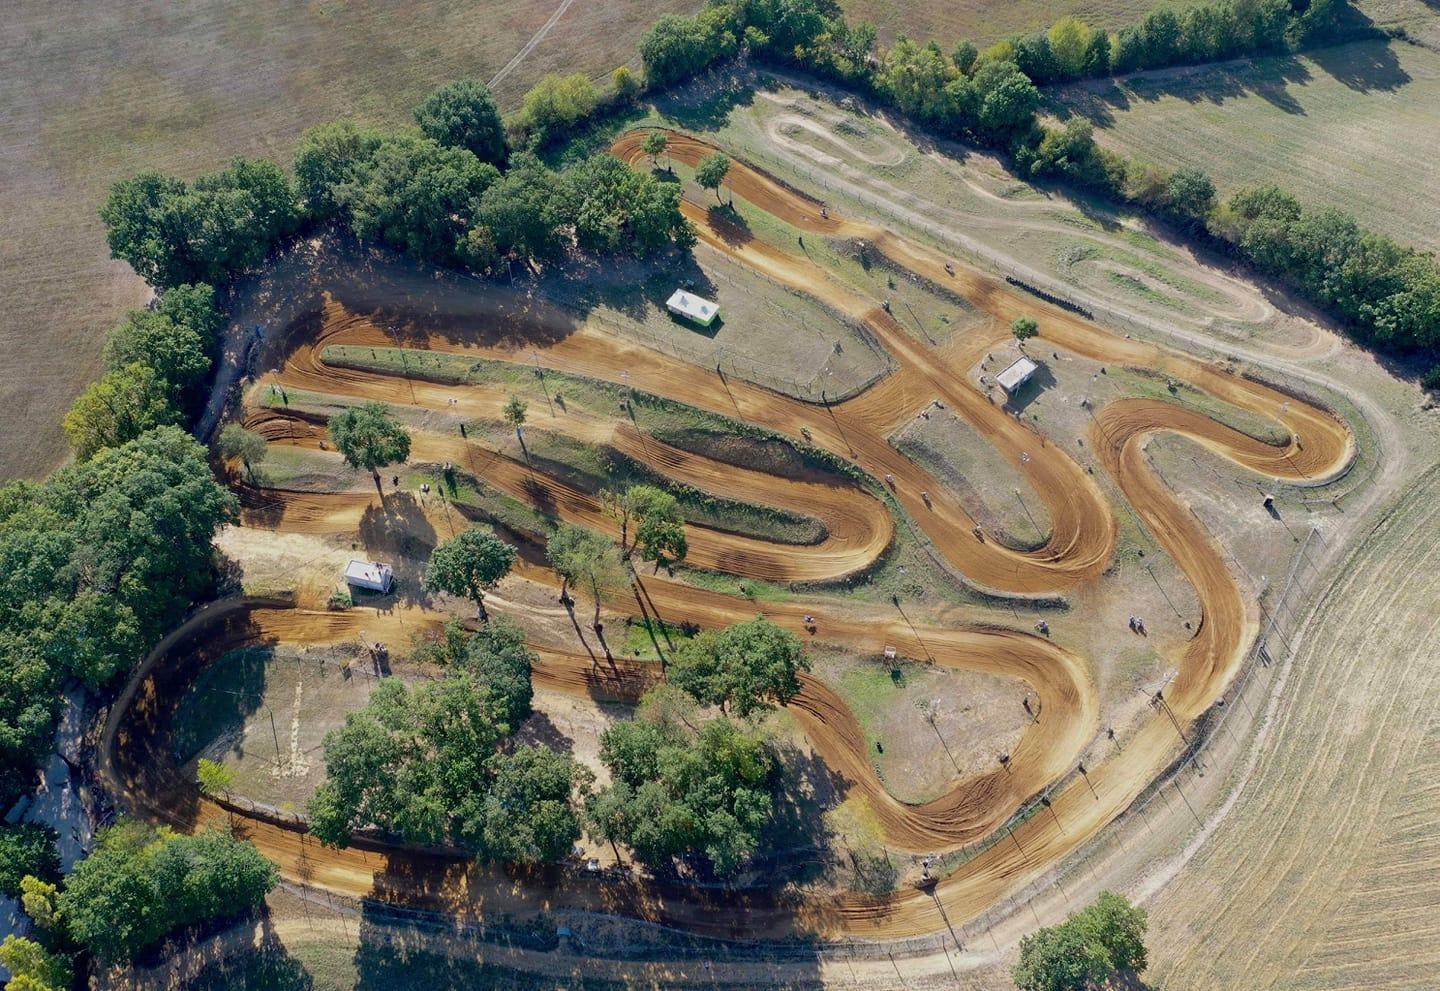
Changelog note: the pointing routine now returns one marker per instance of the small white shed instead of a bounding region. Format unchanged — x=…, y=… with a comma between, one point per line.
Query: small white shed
x=693, y=307
x=1016, y=374
x=372, y=575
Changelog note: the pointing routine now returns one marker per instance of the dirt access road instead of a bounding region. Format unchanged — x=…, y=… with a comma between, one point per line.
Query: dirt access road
x=1081, y=546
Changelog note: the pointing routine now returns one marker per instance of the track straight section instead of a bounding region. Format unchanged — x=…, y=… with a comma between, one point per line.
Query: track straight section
x=859, y=529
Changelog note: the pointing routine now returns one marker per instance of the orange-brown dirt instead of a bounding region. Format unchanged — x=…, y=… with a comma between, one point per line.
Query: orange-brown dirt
x=1081, y=546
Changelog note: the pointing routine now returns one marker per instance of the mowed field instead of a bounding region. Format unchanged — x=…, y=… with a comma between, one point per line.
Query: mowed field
x=987, y=21
x=1353, y=126
x=86, y=99
x=1323, y=876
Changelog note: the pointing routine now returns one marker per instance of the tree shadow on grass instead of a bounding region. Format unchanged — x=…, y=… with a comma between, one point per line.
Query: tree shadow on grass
x=707, y=103
x=268, y=966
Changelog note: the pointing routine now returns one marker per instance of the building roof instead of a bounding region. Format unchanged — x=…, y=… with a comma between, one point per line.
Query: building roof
x=369, y=574
x=687, y=304
x=1016, y=374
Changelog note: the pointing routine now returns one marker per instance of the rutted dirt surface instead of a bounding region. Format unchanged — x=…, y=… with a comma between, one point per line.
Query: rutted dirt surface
x=859, y=531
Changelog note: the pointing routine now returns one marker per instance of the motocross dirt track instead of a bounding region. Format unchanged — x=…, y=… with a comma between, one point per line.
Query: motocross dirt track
x=859, y=530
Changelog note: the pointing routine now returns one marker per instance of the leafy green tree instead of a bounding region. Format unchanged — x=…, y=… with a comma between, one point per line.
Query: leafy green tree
x=328, y=160
x=424, y=763
x=661, y=541
x=140, y=883
x=922, y=82
x=745, y=668
x=520, y=210
x=214, y=778
x=124, y=404
x=529, y=814
x=1069, y=39
x=172, y=351
x=248, y=446
x=410, y=762
x=1061, y=958
x=674, y=796
x=222, y=224
x=139, y=215
x=368, y=437
x=462, y=114
x=678, y=47
x=469, y=565
x=711, y=172
x=1097, y=53
x=498, y=657
x=39, y=899
x=612, y=208
x=1086, y=950
x=587, y=560
x=418, y=196
x=654, y=145
x=625, y=83
x=556, y=103
x=1024, y=328
x=32, y=967
x=1007, y=99
x=629, y=507
x=1191, y=194
x=514, y=414
x=26, y=849
x=965, y=56
x=100, y=561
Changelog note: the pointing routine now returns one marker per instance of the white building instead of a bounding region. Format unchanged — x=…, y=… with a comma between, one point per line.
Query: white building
x=370, y=575
x=692, y=307
x=1016, y=374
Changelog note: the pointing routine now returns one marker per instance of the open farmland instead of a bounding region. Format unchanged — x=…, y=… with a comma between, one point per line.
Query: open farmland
x=181, y=88
x=985, y=21
x=1323, y=875
x=1352, y=127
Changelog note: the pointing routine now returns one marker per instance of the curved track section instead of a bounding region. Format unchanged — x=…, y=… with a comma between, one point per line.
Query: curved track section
x=859, y=530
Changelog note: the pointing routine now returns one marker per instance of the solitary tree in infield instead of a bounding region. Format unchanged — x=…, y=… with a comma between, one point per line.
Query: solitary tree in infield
x=745, y=668
x=654, y=145
x=1024, y=328
x=587, y=559
x=514, y=414
x=633, y=506
x=369, y=437
x=469, y=566
x=248, y=446
x=711, y=172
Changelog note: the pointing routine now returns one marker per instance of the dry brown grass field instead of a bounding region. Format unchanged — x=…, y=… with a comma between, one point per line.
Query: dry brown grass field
x=985, y=21
x=1352, y=126
x=88, y=98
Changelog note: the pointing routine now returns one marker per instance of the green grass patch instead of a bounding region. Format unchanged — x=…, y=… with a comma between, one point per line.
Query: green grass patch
x=642, y=633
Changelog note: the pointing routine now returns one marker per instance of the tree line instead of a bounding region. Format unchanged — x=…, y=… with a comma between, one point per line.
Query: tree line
x=137, y=886
x=450, y=191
